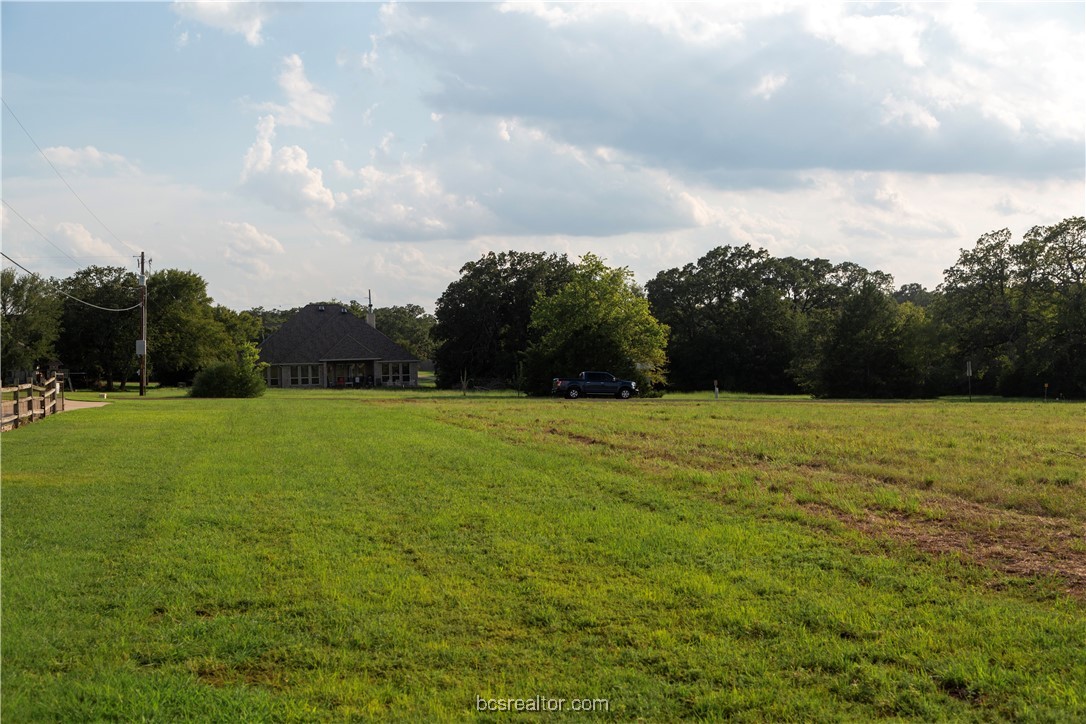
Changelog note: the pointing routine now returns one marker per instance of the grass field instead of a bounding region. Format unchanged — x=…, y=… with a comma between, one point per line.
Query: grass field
x=400, y=555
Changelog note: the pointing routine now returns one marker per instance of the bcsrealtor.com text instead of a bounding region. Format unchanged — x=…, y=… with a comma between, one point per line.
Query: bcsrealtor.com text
x=541, y=703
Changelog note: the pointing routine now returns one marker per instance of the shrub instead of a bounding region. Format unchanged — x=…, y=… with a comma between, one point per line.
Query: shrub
x=228, y=379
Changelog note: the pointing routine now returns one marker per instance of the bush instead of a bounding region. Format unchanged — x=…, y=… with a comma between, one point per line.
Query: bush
x=228, y=379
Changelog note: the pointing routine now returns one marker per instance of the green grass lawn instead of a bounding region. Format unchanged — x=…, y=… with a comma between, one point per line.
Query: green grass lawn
x=397, y=555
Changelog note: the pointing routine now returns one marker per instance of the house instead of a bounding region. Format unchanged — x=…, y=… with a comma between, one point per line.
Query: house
x=324, y=345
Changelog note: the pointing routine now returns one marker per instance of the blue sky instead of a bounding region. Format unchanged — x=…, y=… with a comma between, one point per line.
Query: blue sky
x=292, y=152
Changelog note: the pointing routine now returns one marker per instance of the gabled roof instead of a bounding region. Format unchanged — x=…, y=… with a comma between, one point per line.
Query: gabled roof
x=321, y=333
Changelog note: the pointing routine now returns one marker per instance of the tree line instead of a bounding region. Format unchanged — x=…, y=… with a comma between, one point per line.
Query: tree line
x=1013, y=312
x=46, y=322
x=68, y=321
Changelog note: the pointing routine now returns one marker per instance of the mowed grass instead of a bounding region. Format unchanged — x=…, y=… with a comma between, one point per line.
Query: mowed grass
x=319, y=556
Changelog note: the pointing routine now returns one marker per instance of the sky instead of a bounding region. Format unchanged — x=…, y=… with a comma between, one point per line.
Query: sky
x=292, y=152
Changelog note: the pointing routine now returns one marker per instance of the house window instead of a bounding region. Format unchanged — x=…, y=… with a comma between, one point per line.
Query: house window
x=273, y=376
x=396, y=373
x=301, y=375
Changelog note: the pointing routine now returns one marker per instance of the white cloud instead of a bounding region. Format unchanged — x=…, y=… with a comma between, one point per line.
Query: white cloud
x=867, y=35
x=908, y=112
x=282, y=177
x=910, y=95
x=769, y=84
x=238, y=18
x=408, y=202
x=341, y=169
x=80, y=241
x=248, y=239
x=1010, y=205
x=691, y=23
x=246, y=245
x=305, y=103
x=86, y=158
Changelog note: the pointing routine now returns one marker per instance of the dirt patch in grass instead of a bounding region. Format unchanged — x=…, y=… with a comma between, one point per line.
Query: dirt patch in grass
x=1016, y=544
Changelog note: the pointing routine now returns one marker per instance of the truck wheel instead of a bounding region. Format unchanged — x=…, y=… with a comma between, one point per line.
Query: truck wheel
x=624, y=393
x=573, y=393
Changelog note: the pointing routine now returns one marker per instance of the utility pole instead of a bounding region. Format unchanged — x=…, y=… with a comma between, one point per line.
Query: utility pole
x=141, y=346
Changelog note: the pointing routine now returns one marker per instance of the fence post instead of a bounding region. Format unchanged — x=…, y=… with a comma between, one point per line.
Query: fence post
x=17, y=418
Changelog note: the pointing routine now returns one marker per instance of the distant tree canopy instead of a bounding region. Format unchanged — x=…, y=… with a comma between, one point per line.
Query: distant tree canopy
x=98, y=343
x=598, y=320
x=1016, y=312
x=29, y=322
x=268, y=321
x=185, y=332
x=484, y=318
x=408, y=326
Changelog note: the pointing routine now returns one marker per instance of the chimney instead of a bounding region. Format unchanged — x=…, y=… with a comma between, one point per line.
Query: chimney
x=371, y=319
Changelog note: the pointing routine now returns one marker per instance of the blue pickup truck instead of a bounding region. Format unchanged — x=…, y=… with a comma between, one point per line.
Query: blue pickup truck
x=593, y=383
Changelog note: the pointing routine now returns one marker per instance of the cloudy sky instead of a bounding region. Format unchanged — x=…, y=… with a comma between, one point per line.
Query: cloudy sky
x=293, y=152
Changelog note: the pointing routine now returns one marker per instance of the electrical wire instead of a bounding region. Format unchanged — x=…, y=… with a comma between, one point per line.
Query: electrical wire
x=50, y=241
x=130, y=247
x=61, y=291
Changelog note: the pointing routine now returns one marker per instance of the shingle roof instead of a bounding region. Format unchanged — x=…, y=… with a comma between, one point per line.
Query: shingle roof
x=313, y=335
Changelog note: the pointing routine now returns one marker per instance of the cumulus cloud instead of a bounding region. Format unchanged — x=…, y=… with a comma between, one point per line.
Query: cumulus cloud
x=908, y=112
x=238, y=18
x=408, y=202
x=247, y=239
x=282, y=176
x=246, y=245
x=768, y=85
x=507, y=177
x=693, y=101
x=86, y=158
x=306, y=104
x=81, y=241
x=867, y=34
x=1008, y=205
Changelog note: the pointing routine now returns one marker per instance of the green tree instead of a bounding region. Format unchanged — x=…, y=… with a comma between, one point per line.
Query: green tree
x=240, y=327
x=598, y=320
x=270, y=320
x=914, y=294
x=483, y=319
x=29, y=322
x=1050, y=286
x=240, y=377
x=185, y=334
x=980, y=308
x=409, y=326
x=736, y=317
x=99, y=343
x=869, y=347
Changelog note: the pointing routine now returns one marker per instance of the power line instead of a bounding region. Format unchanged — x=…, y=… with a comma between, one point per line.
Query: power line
x=63, y=179
x=77, y=299
x=38, y=232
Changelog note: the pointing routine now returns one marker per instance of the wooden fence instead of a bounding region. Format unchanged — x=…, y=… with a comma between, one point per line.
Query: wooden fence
x=23, y=404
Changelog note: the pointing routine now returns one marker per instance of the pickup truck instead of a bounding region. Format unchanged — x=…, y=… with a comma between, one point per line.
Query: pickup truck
x=593, y=383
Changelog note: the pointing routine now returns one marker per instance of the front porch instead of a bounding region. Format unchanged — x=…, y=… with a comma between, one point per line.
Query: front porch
x=345, y=374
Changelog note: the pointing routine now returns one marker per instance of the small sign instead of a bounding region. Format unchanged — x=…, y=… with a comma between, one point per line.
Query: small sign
x=141, y=347
x=968, y=369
